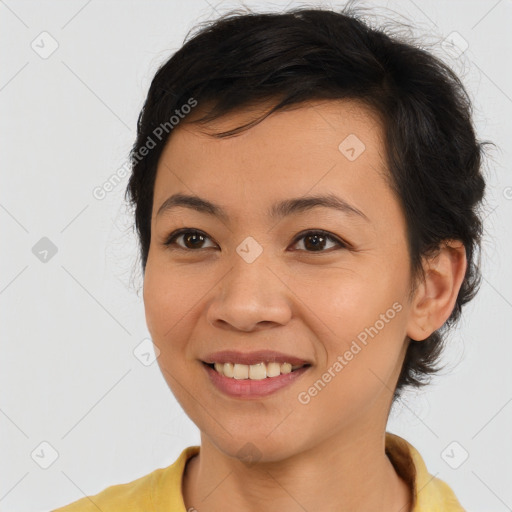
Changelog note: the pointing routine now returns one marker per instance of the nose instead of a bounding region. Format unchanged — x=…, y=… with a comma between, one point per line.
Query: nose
x=250, y=297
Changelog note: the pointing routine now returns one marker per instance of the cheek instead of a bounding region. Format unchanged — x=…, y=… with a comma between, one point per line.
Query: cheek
x=363, y=319
x=172, y=302
x=168, y=306
x=361, y=371
x=347, y=301
x=166, y=301
x=156, y=297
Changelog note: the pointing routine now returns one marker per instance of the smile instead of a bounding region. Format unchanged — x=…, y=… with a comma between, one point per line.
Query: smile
x=248, y=383
x=257, y=371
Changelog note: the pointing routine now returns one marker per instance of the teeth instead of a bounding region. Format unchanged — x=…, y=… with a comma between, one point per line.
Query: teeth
x=241, y=371
x=220, y=369
x=286, y=368
x=273, y=370
x=227, y=369
x=257, y=371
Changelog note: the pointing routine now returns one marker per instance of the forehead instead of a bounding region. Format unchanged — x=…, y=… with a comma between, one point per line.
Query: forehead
x=317, y=147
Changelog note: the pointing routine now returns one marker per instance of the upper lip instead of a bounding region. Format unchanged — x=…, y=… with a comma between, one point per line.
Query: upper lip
x=248, y=358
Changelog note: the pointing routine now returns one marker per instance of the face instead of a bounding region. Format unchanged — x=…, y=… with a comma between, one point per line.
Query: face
x=248, y=281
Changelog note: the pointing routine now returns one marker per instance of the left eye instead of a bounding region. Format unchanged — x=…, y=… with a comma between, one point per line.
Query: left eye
x=314, y=241
x=317, y=240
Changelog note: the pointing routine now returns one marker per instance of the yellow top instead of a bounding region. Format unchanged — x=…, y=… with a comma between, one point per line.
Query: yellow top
x=160, y=490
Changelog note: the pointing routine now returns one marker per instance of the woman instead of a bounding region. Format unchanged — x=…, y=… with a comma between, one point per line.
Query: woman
x=306, y=193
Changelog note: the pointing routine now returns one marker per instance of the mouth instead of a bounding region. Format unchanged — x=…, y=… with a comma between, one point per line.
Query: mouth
x=259, y=371
x=255, y=381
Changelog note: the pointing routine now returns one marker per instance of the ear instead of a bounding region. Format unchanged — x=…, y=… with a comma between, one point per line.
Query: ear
x=435, y=297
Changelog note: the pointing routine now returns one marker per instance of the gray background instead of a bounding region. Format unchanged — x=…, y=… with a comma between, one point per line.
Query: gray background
x=71, y=321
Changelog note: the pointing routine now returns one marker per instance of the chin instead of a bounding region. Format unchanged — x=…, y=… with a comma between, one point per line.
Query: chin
x=258, y=447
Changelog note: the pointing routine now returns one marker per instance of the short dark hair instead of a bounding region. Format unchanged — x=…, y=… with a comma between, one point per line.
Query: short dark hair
x=433, y=157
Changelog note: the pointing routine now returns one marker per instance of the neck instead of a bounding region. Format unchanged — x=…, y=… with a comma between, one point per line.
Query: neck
x=355, y=475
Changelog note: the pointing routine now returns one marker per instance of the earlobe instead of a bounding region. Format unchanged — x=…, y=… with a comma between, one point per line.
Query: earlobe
x=436, y=295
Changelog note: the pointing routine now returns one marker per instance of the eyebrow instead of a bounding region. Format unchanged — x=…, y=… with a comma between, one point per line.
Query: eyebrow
x=277, y=211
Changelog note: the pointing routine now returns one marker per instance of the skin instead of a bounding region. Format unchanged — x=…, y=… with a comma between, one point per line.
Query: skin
x=328, y=454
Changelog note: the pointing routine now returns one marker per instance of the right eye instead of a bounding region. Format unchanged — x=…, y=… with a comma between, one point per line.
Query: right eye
x=192, y=239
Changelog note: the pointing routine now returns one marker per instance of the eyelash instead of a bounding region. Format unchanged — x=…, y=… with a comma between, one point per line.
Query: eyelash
x=171, y=239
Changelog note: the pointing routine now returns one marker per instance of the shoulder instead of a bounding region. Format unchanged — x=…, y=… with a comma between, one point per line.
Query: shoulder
x=430, y=492
x=136, y=494
x=158, y=490
x=441, y=494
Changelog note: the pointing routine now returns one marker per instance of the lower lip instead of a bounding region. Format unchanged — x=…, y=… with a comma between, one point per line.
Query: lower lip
x=248, y=388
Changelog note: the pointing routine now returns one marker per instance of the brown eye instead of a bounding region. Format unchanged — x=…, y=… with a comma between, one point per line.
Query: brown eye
x=316, y=241
x=192, y=239
x=313, y=241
